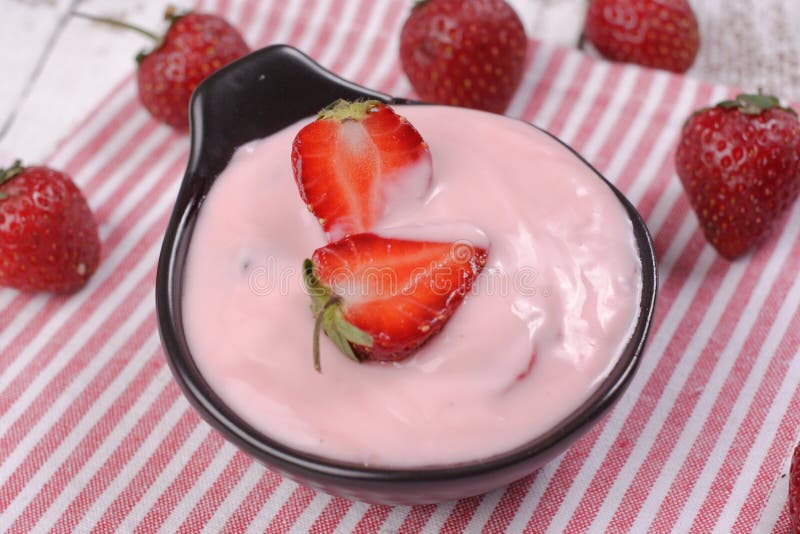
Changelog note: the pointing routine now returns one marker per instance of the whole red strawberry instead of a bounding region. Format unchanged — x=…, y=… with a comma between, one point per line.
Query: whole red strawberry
x=739, y=163
x=48, y=236
x=355, y=161
x=662, y=34
x=381, y=298
x=194, y=46
x=467, y=53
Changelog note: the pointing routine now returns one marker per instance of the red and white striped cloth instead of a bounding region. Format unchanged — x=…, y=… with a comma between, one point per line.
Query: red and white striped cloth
x=95, y=435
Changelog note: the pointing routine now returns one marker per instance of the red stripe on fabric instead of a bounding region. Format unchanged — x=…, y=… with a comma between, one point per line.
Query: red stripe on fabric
x=217, y=493
x=461, y=514
x=22, y=339
x=172, y=495
x=562, y=115
x=708, y=436
x=13, y=309
x=87, y=120
x=149, y=472
x=221, y=8
x=75, y=461
x=208, y=449
x=609, y=469
x=600, y=104
x=78, y=318
x=269, y=26
x=101, y=176
x=253, y=503
x=391, y=21
x=416, y=519
x=41, y=404
x=718, y=493
x=543, y=88
x=34, y=326
x=352, y=39
x=573, y=462
x=331, y=515
x=373, y=519
x=329, y=25
x=309, y=6
x=553, y=495
x=502, y=514
x=299, y=500
x=779, y=450
x=641, y=412
x=248, y=15
x=60, y=428
x=686, y=400
x=92, y=146
x=650, y=136
x=782, y=442
x=632, y=108
x=570, y=96
x=122, y=454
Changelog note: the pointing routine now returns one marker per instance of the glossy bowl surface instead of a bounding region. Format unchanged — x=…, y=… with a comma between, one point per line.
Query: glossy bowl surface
x=252, y=98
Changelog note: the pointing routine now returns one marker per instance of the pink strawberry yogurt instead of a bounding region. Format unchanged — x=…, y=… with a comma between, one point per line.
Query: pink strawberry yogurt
x=543, y=325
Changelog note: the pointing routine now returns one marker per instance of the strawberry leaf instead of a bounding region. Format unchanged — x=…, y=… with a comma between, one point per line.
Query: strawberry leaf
x=328, y=317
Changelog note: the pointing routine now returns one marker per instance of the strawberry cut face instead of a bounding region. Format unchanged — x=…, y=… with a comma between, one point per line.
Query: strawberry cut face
x=394, y=293
x=355, y=162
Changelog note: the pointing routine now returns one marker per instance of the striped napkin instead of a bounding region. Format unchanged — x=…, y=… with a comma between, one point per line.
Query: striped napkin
x=95, y=435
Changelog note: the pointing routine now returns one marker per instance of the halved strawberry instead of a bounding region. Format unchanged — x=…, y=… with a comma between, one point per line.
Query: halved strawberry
x=381, y=298
x=356, y=160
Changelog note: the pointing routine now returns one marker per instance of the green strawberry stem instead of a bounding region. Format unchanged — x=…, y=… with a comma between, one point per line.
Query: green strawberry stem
x=117, y=23
x=343, y=110
x=754, y=104
x=328, y=316
x=15, y=169
x=318, y=329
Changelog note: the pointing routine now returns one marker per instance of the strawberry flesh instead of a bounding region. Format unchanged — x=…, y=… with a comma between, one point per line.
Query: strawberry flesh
x=353, y=161
x=397, y=292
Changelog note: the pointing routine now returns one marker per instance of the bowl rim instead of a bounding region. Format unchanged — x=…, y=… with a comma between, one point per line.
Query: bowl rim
x=195, y=186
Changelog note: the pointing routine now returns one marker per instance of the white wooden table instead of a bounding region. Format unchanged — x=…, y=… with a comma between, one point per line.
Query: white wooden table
x=56, y=67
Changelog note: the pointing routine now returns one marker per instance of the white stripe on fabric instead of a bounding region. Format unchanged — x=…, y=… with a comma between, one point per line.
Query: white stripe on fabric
x=106, y=269
x=109, y=445
x=711, y=389
x=646, y=441
x=80, y=139
x=83, y=377
x=559, y=89
x=135, y=464
x=57, y=457
x=351, y=518
x=273, y=505
x=62, y=358
x=304, y=521
x=368, y=34
x=183, y=508
x=750, y=467
x=583, y=103
x=235, y=497
x=182, y=456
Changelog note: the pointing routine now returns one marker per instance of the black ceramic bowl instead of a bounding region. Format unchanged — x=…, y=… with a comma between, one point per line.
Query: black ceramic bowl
x=253, y=98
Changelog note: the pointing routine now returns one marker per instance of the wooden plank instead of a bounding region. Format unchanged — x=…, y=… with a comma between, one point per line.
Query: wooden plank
x=85, y=62
x=27, y=30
